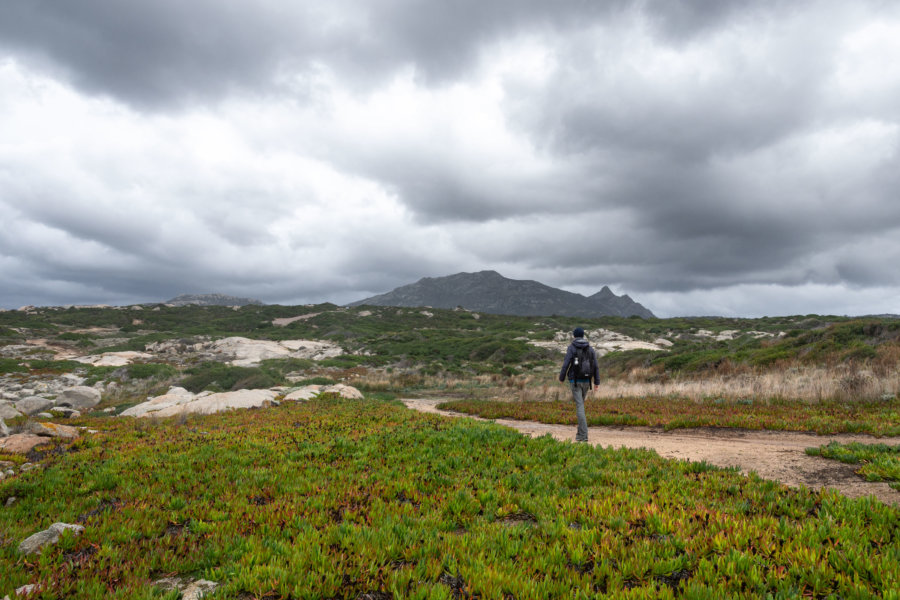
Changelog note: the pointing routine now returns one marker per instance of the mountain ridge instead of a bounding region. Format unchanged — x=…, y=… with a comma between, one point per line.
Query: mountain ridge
x=491, y=292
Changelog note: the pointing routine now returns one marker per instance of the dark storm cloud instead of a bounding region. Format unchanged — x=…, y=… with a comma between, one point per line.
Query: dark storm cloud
x=296, y=152
x=170, y=52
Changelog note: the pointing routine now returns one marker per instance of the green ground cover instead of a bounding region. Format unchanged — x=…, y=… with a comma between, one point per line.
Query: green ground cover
x=879, y=462
x=881, y=418
x=332, y=499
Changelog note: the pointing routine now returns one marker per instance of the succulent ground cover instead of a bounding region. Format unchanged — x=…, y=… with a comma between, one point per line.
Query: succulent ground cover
x=336, y=499
x=879, y=462
x=881, y=418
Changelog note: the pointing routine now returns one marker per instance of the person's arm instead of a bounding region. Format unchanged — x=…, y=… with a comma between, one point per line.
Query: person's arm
x=596, y=368
x=565, y=367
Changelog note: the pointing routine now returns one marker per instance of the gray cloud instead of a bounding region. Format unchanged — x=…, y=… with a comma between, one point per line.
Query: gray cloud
x=335, y=150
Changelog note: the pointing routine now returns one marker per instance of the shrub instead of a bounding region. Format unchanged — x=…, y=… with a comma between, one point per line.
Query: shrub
x=11, y=365
x=150, y=370
x=218, y=377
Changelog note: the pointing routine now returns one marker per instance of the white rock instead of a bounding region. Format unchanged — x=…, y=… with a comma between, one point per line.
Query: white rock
x=4, y=430
x=79, y=398
x=179, y=401
x=240, y=351
x=113, y=359
x=51, y=535
x=33, y=405
x=309, y=392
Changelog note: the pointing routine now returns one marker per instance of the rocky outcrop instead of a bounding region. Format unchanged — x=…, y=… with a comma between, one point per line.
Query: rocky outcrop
x=244, y=352
x=113, y=359
x=178, y=401
x=241, y=351
x=603, y=341
x=51, y=535
x=308, y=392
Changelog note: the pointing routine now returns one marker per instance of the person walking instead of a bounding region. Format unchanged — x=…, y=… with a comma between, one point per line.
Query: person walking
x=580, y=367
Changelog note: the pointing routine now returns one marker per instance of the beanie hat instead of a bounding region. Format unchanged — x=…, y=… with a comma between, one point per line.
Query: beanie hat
x=579, y=332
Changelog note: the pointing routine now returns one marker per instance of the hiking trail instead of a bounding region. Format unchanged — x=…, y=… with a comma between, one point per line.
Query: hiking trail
x=777, y=455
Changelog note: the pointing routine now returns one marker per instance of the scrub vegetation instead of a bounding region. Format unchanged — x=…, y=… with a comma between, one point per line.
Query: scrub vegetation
x=330, y=499
x=367, y=499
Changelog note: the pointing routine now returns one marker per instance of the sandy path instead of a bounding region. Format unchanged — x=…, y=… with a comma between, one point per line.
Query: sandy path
x=774, y=455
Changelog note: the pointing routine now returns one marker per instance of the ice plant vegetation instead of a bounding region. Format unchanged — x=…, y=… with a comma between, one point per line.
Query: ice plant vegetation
x=340, y=499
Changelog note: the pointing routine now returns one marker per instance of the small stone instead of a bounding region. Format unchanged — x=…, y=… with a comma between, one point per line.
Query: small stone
x=190, y=590
x=10, y=501
x=51, y=535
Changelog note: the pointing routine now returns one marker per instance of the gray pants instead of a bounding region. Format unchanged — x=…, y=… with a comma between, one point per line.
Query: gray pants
x=580, y=391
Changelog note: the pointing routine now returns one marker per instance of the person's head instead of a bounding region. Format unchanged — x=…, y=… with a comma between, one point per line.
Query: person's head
x=579, y=332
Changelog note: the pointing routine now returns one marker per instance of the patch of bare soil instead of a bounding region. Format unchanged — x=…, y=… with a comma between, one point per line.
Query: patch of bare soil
x=778, y=455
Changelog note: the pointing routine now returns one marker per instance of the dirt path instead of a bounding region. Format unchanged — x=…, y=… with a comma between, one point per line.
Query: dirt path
x=774, y=455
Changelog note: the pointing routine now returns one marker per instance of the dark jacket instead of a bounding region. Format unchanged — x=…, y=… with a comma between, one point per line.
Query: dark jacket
x=570, y=354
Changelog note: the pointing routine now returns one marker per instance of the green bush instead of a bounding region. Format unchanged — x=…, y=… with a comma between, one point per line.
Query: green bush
x=150, y=370
x=218, y=377
x=11, y=365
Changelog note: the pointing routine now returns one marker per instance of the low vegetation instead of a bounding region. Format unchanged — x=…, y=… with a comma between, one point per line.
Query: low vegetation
x=369, y=500
x=879, y=462
x=875, y=418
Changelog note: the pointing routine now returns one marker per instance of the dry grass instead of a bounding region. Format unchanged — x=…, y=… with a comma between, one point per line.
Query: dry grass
x=806, y=384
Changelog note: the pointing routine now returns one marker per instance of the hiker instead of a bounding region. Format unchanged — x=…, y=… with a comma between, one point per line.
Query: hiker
x=579, y=367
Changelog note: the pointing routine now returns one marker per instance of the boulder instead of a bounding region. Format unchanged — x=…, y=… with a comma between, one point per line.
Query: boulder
x=311, y=391
x=4, y=430
x=51, y=535
x=33, y=405
x=79, y=397
x=179, y=401
x=8, y=411
x=53, y=430
x=21, y=443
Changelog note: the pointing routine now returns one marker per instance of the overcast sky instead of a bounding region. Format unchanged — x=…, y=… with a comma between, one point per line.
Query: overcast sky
x=705, y=157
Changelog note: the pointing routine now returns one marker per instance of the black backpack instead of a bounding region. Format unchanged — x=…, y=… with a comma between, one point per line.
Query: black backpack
x=582, y=365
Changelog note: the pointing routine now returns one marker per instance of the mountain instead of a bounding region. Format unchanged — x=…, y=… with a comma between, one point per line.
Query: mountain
x=211, y=300
x=491, y=292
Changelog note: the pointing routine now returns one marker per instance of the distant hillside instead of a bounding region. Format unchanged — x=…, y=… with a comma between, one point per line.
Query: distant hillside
x=211, y=300
x=490, y=292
